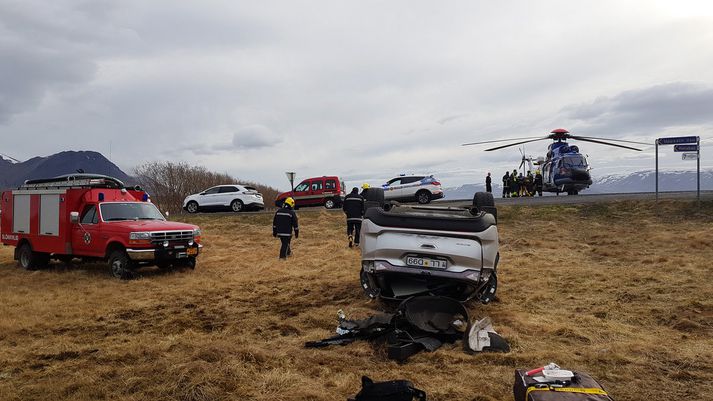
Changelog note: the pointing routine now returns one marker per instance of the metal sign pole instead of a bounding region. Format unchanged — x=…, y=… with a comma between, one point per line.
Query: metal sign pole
x=698, y=171
x=657, y=170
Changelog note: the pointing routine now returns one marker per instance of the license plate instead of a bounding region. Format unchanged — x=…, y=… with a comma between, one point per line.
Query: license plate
x=192, y=251
x=426, y=262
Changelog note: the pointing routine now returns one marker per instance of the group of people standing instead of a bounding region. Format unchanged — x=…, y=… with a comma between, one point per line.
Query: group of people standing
x=517, y=185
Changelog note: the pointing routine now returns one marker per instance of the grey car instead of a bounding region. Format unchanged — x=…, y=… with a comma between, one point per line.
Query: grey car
x=417, y=250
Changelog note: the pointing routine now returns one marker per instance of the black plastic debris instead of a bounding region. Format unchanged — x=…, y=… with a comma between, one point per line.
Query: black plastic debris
x=420, y=323
x=393, y=390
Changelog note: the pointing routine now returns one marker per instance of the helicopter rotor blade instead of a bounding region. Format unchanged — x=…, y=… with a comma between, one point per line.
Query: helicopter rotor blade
x=610, y=139
x=516, y=143
x=605, y=143
x=499, y=140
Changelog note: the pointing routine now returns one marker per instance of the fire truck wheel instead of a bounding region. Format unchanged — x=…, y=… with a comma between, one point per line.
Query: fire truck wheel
x=192, y=207
x=120, y=265
x=31, y=260
x=236, y=205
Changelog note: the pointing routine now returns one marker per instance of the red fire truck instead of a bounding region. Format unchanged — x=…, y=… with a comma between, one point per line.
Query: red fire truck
x=91, y=216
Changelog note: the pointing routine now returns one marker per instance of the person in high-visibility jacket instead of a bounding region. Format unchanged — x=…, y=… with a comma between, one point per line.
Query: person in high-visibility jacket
x=284, y=222
x=354, y=209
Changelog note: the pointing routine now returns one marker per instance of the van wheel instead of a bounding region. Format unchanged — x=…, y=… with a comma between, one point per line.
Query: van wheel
x=329, y=204
x=423, y=197
x=30, y=260
x=236, y=205
x=192, y=207
x=120, y=265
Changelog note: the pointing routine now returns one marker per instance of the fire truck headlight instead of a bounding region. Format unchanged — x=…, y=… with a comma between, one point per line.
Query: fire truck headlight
x=197, y=235
x=165, y=244
x=139, y=235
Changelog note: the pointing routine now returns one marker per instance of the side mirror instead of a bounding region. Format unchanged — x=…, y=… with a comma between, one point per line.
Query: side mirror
x=74, y=217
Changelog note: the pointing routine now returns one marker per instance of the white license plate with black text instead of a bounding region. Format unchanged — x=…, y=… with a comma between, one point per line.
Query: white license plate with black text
x=415, y=261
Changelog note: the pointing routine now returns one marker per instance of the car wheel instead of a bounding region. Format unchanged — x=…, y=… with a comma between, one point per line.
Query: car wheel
x=484, y=201
x=423, y=197
x=374, y=197
x=192, y=207
x=120, y=265
x=236, y=205
x=329, y=204
x=29, y=259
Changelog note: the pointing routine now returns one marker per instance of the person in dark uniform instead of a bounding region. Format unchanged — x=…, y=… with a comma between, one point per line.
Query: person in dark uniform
x=283, y=223
x=488, y=184
x=514, y=184
x=529, y=184
x=364, y=190
x=506, y=185
x=354, y=209
x=538, y=182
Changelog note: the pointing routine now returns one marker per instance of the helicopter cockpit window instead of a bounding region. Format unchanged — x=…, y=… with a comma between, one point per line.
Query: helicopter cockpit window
x=575, y=161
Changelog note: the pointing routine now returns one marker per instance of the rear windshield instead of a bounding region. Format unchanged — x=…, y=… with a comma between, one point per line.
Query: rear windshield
x=129, y=211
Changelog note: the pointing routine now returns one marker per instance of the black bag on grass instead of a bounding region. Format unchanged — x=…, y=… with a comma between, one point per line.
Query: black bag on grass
x=394, y=390
x=582, y=387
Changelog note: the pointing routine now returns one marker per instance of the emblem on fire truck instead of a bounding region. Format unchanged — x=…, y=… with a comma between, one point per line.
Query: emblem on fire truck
x=87, y=238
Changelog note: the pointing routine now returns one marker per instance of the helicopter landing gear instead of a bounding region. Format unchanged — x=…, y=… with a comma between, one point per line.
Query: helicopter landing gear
x=572, y=192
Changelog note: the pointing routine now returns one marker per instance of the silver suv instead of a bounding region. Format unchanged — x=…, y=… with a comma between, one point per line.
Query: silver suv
x=234, y=197
x=409, y=188
x=431, y=250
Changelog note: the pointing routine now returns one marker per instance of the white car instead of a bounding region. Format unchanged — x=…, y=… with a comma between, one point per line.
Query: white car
x=235, y=197
x=408, y=188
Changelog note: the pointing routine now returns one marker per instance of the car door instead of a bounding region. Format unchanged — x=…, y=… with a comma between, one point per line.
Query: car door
x=86, y=235
x=226, y=195
x=391, y=188
x=210, y=197
x=330, y=188
x=409, y=186
x=316, y=191
x=301, y=193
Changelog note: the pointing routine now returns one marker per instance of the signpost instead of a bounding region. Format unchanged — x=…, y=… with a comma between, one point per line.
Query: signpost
x=689, y=156
x=685, y=148
x=291, y=176
x=682, y=144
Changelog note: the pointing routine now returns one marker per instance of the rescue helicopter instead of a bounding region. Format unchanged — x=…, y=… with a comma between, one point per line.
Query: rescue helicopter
x=564, y=169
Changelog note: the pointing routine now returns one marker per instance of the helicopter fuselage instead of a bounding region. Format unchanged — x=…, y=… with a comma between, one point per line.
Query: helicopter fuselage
x=565, y=169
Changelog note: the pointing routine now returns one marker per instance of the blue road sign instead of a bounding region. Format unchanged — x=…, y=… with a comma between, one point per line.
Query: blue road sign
x=685, y=148
x=673, y=140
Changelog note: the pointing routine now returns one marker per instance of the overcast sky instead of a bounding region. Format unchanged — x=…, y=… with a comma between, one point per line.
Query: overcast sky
x=362, y=89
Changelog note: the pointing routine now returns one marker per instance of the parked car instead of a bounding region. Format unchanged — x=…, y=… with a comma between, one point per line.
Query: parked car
x=430, y=250
x=233, y=197
x=419, y=188
x=327, y=191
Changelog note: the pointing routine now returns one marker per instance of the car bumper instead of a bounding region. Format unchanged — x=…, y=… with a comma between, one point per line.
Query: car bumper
x=381, y=278
x=139, y=255
x=438, y=195
x=255, y=206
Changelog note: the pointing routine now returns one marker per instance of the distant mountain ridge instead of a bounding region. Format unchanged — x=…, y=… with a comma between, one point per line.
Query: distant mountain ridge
x=640, y=181
x=13, y=175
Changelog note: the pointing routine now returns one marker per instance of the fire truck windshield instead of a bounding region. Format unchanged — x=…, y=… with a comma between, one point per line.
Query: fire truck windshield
x=117, y=211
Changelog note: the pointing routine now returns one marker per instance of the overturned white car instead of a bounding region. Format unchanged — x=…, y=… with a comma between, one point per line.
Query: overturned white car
x=430, y=250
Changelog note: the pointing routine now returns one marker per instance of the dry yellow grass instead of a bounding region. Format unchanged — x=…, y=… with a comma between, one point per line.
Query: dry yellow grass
x=621, y=291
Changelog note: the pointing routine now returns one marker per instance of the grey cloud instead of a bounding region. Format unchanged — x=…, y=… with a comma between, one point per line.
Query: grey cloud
x=255, y=137
x=647, y=110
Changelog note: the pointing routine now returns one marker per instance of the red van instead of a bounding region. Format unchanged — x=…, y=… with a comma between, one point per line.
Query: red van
x=317, y=191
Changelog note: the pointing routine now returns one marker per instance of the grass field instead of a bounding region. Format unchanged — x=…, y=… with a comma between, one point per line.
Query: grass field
x=623, y=291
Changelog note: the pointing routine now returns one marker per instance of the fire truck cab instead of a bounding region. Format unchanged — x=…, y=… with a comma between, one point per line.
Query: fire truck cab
x=91, y=216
